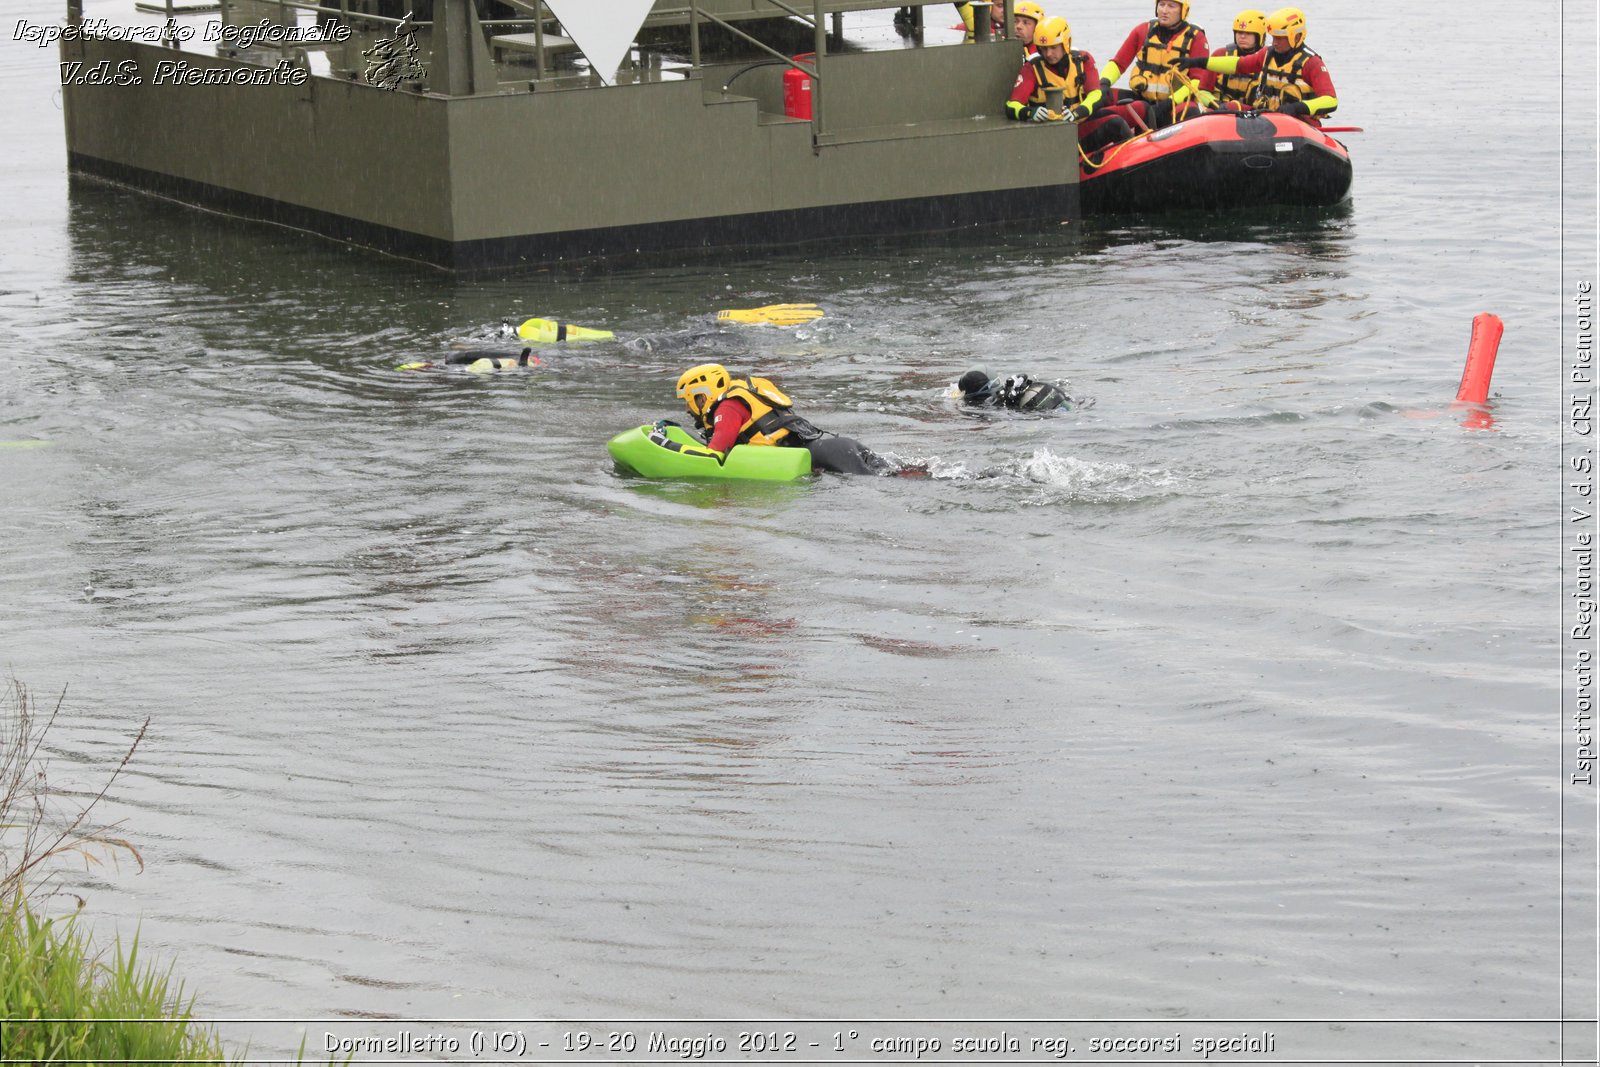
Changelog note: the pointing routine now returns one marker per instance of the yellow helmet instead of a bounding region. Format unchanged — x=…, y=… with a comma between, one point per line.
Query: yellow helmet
x=1252, y=21
x=1183, y=9
x=1028, y=9
x=1288, y=22
x=699, y=387
x=1051, y=31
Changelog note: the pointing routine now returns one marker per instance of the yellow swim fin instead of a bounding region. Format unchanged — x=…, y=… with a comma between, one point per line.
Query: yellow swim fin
x=549, y=331
x=774, y=315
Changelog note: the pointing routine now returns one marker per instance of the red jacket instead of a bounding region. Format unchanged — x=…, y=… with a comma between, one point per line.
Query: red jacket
x=1314, y=72
x=731, y=414
x=1141, y=33
x=1028, y=81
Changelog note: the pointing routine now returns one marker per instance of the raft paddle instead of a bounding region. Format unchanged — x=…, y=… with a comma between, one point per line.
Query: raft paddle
x=774, y=315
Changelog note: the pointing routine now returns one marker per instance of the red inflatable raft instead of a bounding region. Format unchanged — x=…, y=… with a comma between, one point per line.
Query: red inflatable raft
x=1219, y=160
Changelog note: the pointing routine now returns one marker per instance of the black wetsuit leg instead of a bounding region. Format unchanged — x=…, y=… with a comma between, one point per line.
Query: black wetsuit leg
x=1113, y=130
x=501, y=356
x=845, y=455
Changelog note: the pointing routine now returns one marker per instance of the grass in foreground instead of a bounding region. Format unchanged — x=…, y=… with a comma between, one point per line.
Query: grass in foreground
x=60, y=1001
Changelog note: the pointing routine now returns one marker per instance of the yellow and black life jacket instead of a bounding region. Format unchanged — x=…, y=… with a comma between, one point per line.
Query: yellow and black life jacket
x=771, y=416
x=1152, y=76
x=1069, y=80
x=1237, y=88
x=1283, y=78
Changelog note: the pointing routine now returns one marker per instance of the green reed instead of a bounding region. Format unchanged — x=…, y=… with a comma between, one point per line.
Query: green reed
x=61, y=1000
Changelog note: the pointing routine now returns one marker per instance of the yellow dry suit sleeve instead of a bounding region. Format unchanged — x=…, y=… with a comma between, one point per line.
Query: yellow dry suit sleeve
x=1091, y=100
x=1223, y=64
x=1321, y=105
x=1111, y=72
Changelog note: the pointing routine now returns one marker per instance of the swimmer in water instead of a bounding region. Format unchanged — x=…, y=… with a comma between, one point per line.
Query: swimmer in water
x=1016, y=392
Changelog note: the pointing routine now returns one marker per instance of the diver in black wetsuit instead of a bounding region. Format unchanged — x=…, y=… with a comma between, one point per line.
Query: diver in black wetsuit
x=501, y=360
x=478, y=359
x=1017, y=392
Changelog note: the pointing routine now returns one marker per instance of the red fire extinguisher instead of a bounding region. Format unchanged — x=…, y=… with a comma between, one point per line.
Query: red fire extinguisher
x=797, y=90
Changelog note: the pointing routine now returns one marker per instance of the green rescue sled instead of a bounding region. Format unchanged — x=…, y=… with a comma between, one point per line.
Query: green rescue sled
x=671, y=452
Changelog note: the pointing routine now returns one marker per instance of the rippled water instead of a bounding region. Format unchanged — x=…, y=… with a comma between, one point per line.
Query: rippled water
x=1231, y=694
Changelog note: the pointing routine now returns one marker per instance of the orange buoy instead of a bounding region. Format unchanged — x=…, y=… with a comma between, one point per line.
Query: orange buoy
x=1486, y=332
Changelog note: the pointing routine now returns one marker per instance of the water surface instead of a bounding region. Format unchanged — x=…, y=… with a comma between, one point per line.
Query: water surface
x=1234, y=693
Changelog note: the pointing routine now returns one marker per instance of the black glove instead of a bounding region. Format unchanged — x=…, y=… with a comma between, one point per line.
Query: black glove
x=1191, y=62
x=1077, y=114
x=1295, y=108
x=1105, y=89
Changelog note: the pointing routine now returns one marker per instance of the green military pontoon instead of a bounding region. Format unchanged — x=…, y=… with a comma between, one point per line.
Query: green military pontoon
x=486, y=141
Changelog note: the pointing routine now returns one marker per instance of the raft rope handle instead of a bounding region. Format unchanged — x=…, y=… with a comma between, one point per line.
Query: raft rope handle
x=1194, y=92
x=1109, y=156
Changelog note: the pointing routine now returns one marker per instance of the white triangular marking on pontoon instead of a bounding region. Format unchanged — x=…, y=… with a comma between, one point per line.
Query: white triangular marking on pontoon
x=602, y=32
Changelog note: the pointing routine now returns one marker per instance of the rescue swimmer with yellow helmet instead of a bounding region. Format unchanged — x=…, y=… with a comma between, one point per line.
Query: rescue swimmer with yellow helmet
x=1025, y=18
x=1025, y=15
x=1056, y=66
x=1236, y=92
x=1149, y=54
x=752, y=411
x=972, y=12
x=1291, y=78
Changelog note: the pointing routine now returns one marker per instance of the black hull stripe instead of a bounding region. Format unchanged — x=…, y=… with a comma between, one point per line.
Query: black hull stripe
x=683, y=238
